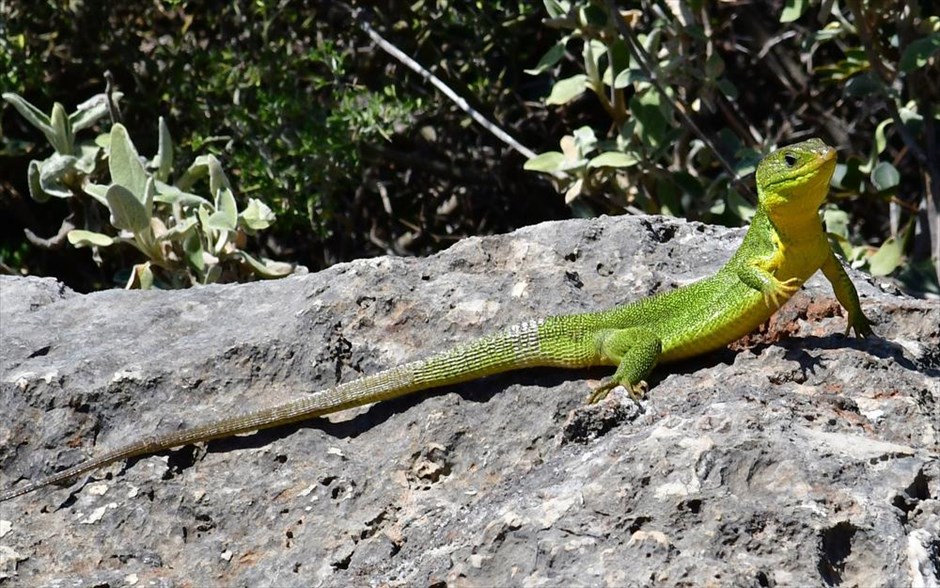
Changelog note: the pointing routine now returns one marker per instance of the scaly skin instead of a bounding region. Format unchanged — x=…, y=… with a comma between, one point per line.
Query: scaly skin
x=783, y=247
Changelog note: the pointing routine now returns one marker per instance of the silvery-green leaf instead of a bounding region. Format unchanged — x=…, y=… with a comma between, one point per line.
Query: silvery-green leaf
x=213, y=275
x=614, y=159
x=81, y=238
x=88, y=154
x=888, y=257
x=225, y=218
x=57, y=173
x=127, y=212
x=35, y=184
x=217, y=180
x=198, y=170
x=33, y=115
x=192, y=247
x=267, y=268
x=149, y=192
x=163, y=162
x=91, y=111
x=179, y=231
x=125, y=165
x=203, y=214
x=63, y=139
x=257, y=215
x=550, y=161
x=566, y=90
x=141, y=277
x=96, y=191
x=168, y=194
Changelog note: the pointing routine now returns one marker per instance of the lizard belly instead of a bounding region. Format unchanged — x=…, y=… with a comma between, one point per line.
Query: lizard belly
x=730, y=314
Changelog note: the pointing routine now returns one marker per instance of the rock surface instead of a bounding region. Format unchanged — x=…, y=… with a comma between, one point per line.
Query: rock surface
x=801, y=457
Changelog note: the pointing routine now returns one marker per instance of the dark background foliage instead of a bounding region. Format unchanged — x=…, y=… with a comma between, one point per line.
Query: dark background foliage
x=359, y=156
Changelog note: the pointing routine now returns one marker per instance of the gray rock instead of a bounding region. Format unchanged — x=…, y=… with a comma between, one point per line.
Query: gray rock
x=800, y=457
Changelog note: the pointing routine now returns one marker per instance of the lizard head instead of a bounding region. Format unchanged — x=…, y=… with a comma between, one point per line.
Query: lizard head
x=794, y=180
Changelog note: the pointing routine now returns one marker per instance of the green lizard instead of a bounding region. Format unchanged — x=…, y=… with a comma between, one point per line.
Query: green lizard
x=783, y=247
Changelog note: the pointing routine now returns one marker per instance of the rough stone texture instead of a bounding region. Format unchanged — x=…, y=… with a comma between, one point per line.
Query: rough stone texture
x=801, y=457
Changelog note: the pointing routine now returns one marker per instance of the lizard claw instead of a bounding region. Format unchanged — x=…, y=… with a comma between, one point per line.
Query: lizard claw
x=780, y=292
x=636, y=391
x=860, y=324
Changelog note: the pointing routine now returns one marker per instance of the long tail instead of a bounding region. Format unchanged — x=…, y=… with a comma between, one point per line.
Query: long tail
x=513, y=348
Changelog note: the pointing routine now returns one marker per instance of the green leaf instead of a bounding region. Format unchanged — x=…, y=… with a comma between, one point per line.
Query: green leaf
x=574, y=191
x=551, y=57
x=881, y=139
x=212, y=275
x=556, y=8
x=124, y=163
x=145, y=275
x=619, y=61
x=192, y=246
x=217, y=180
x=837, y=221
x=628, y=77
x=792, y=10
x=90, y=111
x=33, y=115
x=885, y=176
x=141, y=277
x=257, y=216
x=149, y=192
x=267, y=268
x=127, y=212
x=225, y=218
x=613, y=159
x=62, y=139
x=585, y=140
x=888, y=257
x=918, y=53
x=57, y=173
x=80, y=238
x=96, y=191
x=163, y=162
x=550, y=161
x=34, y=177
x=180, y=231
x=566, y=90
x=651, y=124
x=168, y=194
x=88, y=154
x=203, y=215
x=198, y=170
x=593, y=16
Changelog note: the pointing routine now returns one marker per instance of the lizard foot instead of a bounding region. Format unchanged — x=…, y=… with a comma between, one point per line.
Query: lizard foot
x=780, y=292
x=636, y=391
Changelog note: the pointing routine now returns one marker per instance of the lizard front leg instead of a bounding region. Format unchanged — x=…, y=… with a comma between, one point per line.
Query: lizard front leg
x=775, y=292
x=848, y=297
x=635, y=351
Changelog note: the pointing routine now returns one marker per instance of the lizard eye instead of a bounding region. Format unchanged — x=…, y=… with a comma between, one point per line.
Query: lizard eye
x=790, y=159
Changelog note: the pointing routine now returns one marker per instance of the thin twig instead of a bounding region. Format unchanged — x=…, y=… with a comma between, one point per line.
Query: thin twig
x=444, y=88
x=58, y=240
x=113, y=109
